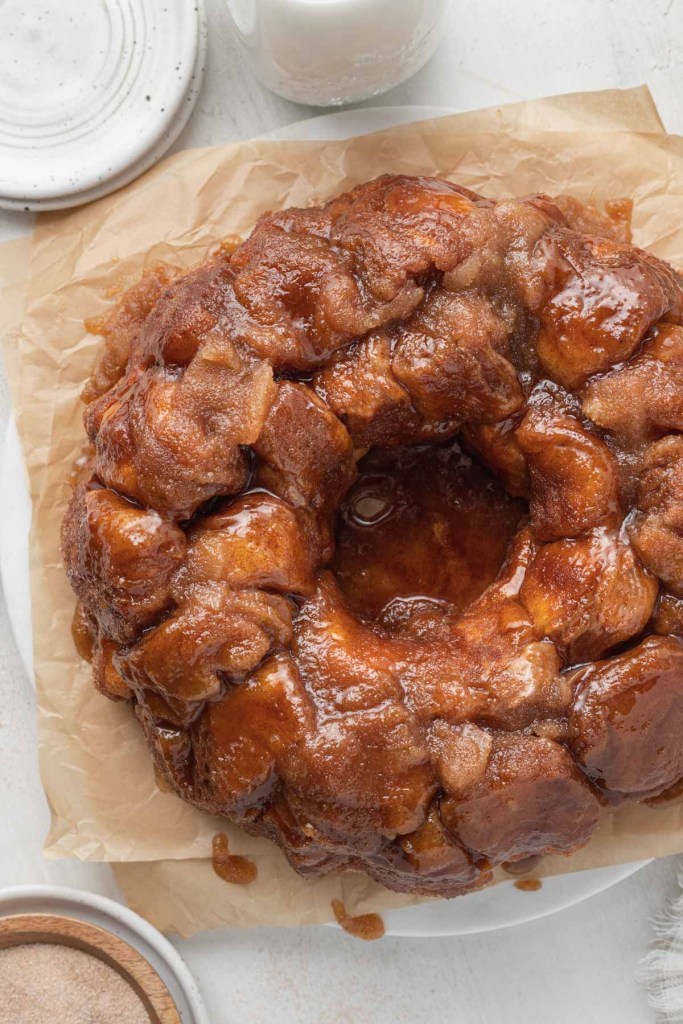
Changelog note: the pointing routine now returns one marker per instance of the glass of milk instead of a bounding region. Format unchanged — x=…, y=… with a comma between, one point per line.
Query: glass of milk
x=330, y=52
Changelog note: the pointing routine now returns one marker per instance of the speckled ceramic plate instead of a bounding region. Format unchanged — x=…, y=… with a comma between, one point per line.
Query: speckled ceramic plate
x=498, y=907
x=92, y=93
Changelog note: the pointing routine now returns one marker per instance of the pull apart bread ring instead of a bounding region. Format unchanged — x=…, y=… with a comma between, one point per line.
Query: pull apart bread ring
x=236, y=412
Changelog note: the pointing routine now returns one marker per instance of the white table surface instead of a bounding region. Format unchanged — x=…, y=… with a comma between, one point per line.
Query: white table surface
x=577, y=966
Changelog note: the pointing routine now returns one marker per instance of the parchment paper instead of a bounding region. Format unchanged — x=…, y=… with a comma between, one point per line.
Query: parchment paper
x=95, y=766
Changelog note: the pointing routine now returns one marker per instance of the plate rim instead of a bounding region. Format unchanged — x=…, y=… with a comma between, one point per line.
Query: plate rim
x=592, y=881
x=393, y=114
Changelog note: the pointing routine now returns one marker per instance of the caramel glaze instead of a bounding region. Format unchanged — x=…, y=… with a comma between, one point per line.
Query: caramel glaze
x=672, y=795
x=421, y=523
x=433, y=698
x=230, y=867
x=521, y=867
x=83, y=631
x=365, y=926
x=162, y=781
x=529, y=884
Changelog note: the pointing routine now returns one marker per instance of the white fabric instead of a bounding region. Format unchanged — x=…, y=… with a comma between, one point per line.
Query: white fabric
x=662, y=969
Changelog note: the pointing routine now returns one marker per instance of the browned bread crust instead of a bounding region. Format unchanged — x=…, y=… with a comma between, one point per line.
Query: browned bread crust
x=228, y=417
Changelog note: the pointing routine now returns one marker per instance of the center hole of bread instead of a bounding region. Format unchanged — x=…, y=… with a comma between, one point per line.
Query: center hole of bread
x=422, y=522
x=372, y=503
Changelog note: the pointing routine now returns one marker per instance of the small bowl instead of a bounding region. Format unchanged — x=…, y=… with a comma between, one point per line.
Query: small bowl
x=112, y=933
x=27, y=929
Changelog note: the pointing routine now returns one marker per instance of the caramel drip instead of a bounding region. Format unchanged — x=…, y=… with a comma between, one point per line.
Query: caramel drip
x=366, y=926
x=81, y=631
x=162, y=782
x=80, y=466
x=231, y=867
x=96, y=324
x=230, y=244
x=670, y=796
x=521, y=867
x=529, y=884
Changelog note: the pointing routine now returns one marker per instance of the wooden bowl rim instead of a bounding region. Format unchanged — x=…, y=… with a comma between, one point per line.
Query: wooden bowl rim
x=131, y=965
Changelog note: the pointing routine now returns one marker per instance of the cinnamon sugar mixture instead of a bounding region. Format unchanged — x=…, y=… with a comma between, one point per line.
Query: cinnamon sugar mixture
x=368, y=927
x=42, y=983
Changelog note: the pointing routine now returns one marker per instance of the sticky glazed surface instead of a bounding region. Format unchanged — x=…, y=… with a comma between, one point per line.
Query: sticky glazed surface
x=382, y=531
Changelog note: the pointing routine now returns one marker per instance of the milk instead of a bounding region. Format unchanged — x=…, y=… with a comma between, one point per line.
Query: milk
x=329, y=52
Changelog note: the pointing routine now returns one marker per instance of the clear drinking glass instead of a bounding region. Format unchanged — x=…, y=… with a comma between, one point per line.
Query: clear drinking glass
x=330, y=52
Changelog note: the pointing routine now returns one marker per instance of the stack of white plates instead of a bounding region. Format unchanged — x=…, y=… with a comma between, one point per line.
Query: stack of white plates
x=92, y=93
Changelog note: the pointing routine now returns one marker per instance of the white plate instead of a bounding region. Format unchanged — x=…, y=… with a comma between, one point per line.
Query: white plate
x=92, y=94
x=498, y=907
x=120, y=921
x=15, y=526
x=344, y=124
